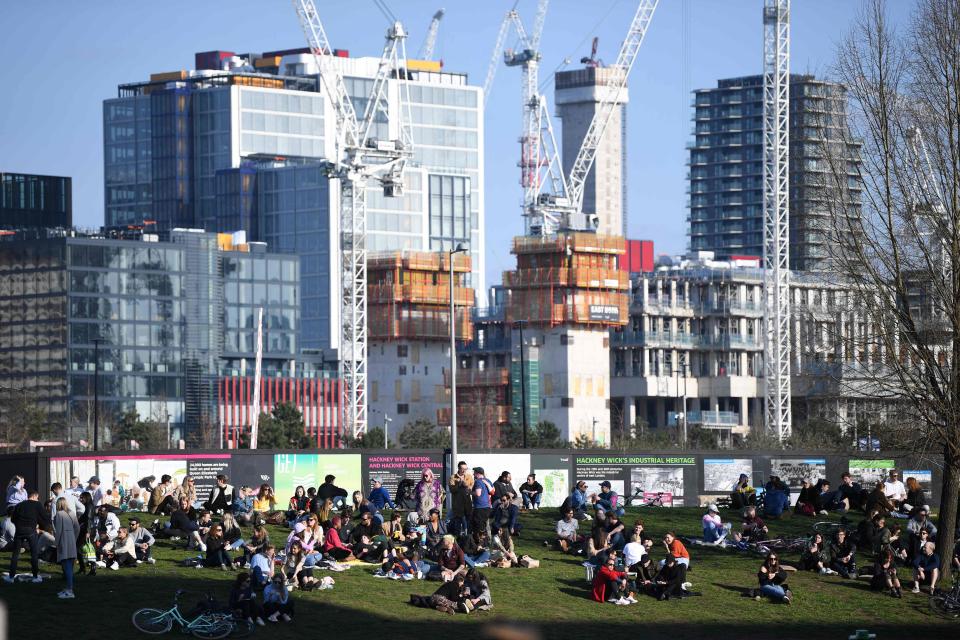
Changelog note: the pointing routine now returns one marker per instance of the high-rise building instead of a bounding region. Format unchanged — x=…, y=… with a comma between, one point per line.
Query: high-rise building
x=155, y=322
x=578, y=95
x=243, y=142
x=30, y=201
x=726, y=167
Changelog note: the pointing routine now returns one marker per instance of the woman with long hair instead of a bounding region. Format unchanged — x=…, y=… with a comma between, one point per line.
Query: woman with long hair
x=259, y=540
x=264, y=503
x=916, y=498
x=885, y=574
x=16, y=492
x=217, y=554
x=325, y=512
x=187, y=489
x=298, y=505
x=333, y=546
x=773, y=580
x=232, y=532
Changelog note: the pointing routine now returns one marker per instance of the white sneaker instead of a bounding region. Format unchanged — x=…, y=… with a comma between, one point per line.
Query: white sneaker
x=686, y=586
x=151, y=561
x=273, y=618
x=622, y=602
x=916, y=589
x=139, y=561
x=8, y=579
x=285, y=618
x=614, y=600
x=203, y=548
x=408, y=576
x=101, y=564
x=36, y=580
x=632, y=600
x=114, y=566
x=261, y=622
x=66, y=595
x=822, y=512
x=587, y=516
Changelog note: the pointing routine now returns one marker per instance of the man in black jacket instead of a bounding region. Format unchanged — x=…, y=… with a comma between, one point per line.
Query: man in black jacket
x=221, y=496
x=332, y=491
x=27, y=516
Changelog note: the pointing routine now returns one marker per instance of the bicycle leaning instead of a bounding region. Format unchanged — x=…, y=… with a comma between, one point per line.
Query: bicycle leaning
x=209, y=623
x=946, y=604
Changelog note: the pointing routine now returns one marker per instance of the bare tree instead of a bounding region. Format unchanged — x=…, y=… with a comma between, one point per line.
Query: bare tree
x=900, y=257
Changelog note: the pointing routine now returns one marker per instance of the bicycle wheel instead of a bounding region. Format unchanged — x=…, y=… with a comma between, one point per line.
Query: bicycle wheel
x=153, y=621
x=212, y=627
x=826, y=528
x=945, y=606
x=241, y=628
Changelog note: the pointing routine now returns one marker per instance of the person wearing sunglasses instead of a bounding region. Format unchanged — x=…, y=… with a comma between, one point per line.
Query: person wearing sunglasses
x=773, y=580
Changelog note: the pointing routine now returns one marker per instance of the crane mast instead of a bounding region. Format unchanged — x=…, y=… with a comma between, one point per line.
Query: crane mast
x=550, y=212
x=776, y=215
x=359, y=159
x=426, y=49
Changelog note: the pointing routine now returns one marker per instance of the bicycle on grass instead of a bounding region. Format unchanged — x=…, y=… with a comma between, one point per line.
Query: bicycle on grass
x=946, y=604
x=210, y=623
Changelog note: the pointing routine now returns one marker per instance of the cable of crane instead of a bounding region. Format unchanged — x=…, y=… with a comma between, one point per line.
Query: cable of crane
x=385, y=10
x=567, y=58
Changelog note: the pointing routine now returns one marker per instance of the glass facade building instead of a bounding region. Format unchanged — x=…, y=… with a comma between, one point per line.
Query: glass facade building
x=154, y=322
x=726, y=167
x=243, y=150
x=31, y=201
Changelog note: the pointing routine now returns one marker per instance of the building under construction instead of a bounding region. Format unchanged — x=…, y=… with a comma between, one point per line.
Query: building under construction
x=409, y=333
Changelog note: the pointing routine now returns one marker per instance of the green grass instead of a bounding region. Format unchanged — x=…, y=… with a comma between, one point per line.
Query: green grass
x=553, y=598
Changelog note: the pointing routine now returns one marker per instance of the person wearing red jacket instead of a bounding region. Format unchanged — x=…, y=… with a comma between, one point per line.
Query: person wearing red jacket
x=333, y=546
x=612, y=585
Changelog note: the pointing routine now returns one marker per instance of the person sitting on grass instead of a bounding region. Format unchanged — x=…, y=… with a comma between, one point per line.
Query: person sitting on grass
x=607, y=500
x=816, y=556
x=398, y=566
x=479, y=596
x=393, y=528
x=916, y=497
x=807, y=500
x=920, y=522
x=259, y=540
x=475, y=552
x=295, y=569
x=878, y=502
x=298, y=505
x=243, y=601
x=106, y=524
x=773, y=580
x=221, y=496
x=333, y=547
x=885, y=574
x=843, y=554
x=598, y=545
x=610, y=585
x=742, y=494
x=645, y=537
x=362, y=539
x=277, y=602
x=324, y=510
x=328, y=490
x=119, y=552
x=502, y=548
x=577, y=501
x=872, y=533
x=264, y=504
x=142, y=541
x=753, y=528
x=262, y=568
x=776, y=497
x=531, y=491
x=446, y=598
x=676, y=550
x=380, y=497
x=450, y=560
x=161, y=499
x=232, y=532
x=714, y=530
x=217, y=554
x=436, y=530
x=183, y=525
x=926, y=568
x=615, y=529
x=671, y=580
x=242, y=506
x=568, y=538
x=506, y=515
x=637, y=560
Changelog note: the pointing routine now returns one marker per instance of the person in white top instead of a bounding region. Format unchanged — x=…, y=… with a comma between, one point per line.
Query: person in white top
x=636, y=559
x=893, y=488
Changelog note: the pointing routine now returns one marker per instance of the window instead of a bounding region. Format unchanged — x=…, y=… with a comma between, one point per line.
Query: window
x=403, y=370
x=566, y=339
x=566, y=402
x=403, y=409
x=401, y=351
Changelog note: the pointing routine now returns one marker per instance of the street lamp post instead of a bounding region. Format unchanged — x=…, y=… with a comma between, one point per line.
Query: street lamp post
x=523, y=386
x=386, y=427
x=96, y=394
x=453, y=358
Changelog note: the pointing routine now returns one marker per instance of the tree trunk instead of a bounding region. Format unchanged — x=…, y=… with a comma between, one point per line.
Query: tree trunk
x=947, y=523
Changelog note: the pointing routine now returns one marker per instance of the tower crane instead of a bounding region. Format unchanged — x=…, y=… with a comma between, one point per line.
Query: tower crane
x=563, y=209
x=776, y=215
x=426, y=49
x=926, y=204
x=359, y=159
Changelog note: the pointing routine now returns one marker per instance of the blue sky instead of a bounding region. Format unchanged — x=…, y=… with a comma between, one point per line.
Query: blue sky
x=61, y=59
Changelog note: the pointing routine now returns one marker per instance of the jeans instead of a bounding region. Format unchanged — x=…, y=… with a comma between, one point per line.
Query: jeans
x=217, y=558
x=68, y=572
x=258, y=579
x=481, y=558
x=237, y=544
x=715, y=535
x=684, y=561
x=143, y=554
x=527, y=500
x=458, y=525
x=312, y=559
x=617, y=542
x=33, y=541
x=773, y=591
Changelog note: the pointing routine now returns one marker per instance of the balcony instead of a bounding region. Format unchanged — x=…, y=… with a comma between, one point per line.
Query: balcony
x=713, y=419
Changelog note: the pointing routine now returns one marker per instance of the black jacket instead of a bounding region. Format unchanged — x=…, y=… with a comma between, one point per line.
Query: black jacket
x=329, y=490
x=462, y=502
x=28, y=515
x=181, y=521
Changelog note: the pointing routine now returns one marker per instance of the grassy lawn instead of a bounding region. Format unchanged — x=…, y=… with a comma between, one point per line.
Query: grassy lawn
x=553, y=598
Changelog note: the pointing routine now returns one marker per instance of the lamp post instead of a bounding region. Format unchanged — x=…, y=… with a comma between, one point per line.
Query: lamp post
x=523, y=385
x=453, y=357
x=96, y=393
x=386, y=426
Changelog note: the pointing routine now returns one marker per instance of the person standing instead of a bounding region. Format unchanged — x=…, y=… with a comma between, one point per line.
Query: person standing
x=27, y=516
x=429, y=494
x=66, y=530
x=482, y=492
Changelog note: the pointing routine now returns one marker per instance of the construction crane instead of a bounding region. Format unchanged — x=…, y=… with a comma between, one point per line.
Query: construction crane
x=359, y=159
x=426, y=49
x=592, y=61
x=563, y=209
x=776, y=215
x=926, y=204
